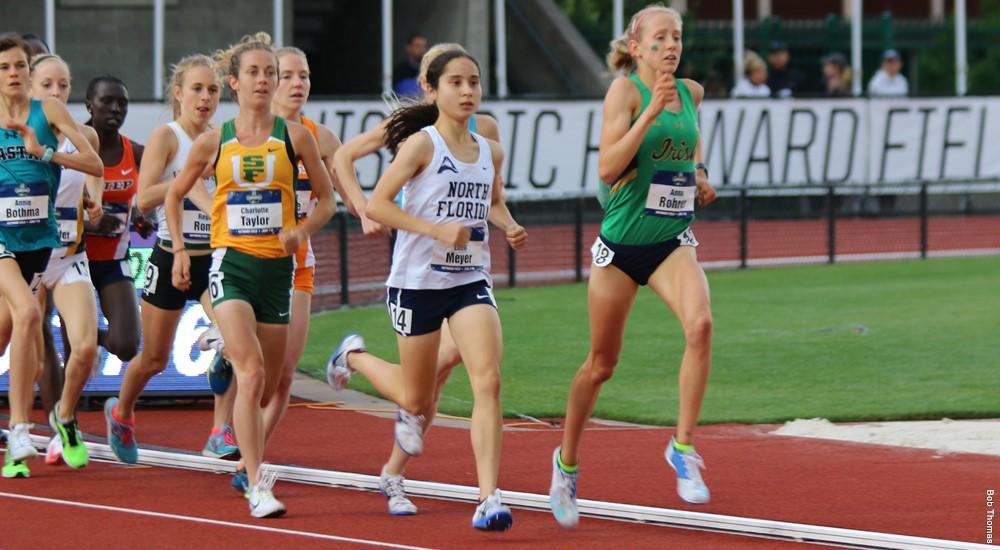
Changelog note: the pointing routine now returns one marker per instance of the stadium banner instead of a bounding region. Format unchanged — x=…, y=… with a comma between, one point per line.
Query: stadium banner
x=186, y=367
x=551, y=146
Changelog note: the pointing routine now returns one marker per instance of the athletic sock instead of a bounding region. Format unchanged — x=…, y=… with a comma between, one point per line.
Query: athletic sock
x=682, y=447
x=568, y=469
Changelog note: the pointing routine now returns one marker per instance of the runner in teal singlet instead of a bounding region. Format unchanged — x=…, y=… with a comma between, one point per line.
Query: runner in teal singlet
x=648, y=157
x=29, y=179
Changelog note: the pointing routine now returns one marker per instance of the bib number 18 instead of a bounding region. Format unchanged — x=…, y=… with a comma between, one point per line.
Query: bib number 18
x=601, y=253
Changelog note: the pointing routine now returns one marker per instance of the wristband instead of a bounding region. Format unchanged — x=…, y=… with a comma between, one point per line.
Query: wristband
x=47, y=155
x=701, y=166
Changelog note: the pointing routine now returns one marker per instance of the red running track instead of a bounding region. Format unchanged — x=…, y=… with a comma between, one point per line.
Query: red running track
x=751, y=472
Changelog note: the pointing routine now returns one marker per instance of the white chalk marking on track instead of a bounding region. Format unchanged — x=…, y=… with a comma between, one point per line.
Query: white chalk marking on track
x=212, y=522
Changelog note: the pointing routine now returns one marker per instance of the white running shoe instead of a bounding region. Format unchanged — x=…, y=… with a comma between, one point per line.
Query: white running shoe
x=392, y=487
x=338, y=372
x=261, y=498
x=53, y=452
x=211, y=339
x=562, y=494
x=688, y=464
x=19, y=446
x=410, y=433
x=492, y=515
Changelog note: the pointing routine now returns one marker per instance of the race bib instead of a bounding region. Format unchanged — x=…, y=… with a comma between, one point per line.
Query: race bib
x=196, y=225
x=601, y=253
x=254, y=212
x=119, y=211
x=68, y=225
x=460, y=258
x=303, y=199
x=24, y=204
x=671, y=194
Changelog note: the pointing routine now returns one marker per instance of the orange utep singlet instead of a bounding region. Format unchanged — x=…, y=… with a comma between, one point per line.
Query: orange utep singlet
x=120, y=187
x=255, y=197
x=306, y=201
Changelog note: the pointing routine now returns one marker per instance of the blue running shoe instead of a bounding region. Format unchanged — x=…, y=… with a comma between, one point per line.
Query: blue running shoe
x=688, y=465
x=241, y=483
x=121, y=435
x=219, y=374
x=491, y=515
x=338, y=372
x=562, y=494
x=222, y=444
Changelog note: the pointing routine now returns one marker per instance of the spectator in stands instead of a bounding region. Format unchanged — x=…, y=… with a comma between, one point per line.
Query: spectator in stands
x=888, y=81
x=836, y=75
x=35, y=44
x=404, y=76
x=754, y=81
x=783, y=81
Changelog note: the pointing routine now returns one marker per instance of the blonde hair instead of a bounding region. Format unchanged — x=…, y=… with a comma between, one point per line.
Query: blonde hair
x=619, y=55
x=179, y=71
x=227, y=61
x=42, y=58
x=432, y=54
x=290, y=50
x=752, y=62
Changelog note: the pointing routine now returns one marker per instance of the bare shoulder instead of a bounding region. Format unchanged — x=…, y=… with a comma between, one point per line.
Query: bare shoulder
x=496, y=151
x=487, y=127
x=697, y=91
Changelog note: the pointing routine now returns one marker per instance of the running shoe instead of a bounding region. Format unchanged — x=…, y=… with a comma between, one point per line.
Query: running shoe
x=221, y=444
x=121, y=435
x=392, y=487
x=219, y=374
x=19, y=446
x=261, y=498
x=211, y=339
x=240, y=482
x=491, y=515
x=15, y=468
x=688, y=465
x=53, y=451
x=74, y=452
x=410, y=433
x=338, y=372
x=562, y=493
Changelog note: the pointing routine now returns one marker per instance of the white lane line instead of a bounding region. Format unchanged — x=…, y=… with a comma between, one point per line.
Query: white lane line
x=211, y=522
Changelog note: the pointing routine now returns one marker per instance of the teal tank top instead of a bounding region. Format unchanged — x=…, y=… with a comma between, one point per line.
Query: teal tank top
x=28, y=188
x=652, y=201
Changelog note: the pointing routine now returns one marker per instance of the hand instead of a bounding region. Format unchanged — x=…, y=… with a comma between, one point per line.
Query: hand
x=452, y=234
x=517, y=236
x=31, y=144
x=180, y=274
x=107, y=225
x=372, y=228
x=142, y=226
x=290, y=239
x=664, y=93
x=706, y=193
x=94, y=208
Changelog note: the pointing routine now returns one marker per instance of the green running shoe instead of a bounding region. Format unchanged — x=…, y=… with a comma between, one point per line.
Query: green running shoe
x=74, y=452
x=15, y=468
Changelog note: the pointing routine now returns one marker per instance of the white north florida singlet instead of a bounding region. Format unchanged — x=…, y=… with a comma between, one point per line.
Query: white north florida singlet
x=69, y=206
x=447, y=190
x=194, y=223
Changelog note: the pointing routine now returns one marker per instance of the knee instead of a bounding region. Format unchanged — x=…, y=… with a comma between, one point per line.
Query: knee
x=28, y=319
x=698, y=331
x=85, y=350
x=250, y=379
x=600, y=366
x=487, y=384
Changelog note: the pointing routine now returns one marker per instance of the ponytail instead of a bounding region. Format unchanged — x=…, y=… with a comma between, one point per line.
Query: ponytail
x=406, y=121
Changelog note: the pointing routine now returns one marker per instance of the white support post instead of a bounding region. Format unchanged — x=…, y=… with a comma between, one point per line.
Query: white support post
x=857, y=16
x=619, y=20
x=500, y=28
x=961, y=60
x=278, y=35
x=158, y=24
x=386, y=46
x=738, y=47
x=50, y=24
